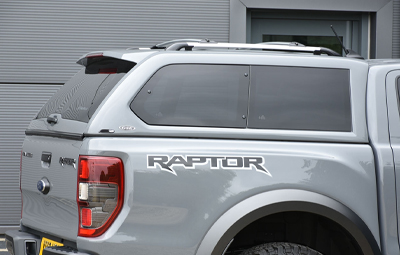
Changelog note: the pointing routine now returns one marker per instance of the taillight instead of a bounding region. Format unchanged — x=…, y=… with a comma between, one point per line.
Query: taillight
x=94, y=55
x=100, y=193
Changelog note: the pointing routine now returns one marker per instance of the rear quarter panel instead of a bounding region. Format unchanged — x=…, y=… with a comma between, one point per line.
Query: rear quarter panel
x=169, y=213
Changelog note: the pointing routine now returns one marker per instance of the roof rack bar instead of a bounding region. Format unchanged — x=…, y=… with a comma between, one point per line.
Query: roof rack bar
x=243, y=46
x=165, y=45
x=329, y=52
x=179, y=46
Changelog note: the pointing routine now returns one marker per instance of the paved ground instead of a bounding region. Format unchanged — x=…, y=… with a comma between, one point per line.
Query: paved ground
x=3, y=250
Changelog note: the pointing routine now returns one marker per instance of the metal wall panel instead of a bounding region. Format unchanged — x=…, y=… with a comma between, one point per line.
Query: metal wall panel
x=396, y=29
x=19, y=103
x=41, y=40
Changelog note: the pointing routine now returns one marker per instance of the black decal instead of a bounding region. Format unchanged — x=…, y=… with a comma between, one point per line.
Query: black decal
x=160, y=160
x=214, y=161
x=256, y=162
x=196, y=160
x=189, y=162
x=232, y=162
x=178, y=160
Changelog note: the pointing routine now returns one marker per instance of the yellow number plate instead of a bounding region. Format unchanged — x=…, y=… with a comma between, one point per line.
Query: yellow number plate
x=46, y=243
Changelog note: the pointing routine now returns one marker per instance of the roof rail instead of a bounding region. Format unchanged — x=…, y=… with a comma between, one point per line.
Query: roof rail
x=244, y=46
x=282, y=43
x=165, y=45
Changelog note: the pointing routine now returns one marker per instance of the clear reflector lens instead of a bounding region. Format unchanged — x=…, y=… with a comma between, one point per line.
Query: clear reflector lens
x=83, y=191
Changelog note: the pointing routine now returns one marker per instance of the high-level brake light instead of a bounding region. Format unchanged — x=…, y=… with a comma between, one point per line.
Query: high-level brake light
x=94, y=55
x=100, y=193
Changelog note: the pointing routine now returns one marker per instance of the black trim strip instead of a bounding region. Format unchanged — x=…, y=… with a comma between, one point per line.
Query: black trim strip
x=64, y=135
x=79, y=137
x=32, y=83
x=213, y=138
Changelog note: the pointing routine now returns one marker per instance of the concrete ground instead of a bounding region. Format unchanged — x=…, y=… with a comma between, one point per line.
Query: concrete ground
x=3, y=250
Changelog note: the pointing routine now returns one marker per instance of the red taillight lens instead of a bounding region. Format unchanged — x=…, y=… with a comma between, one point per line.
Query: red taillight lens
x=100, y=193
x=86, y=217
x=83, y=169
x=94, y=55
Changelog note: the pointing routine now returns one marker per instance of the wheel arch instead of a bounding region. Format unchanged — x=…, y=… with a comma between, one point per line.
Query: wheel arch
x=247, y=211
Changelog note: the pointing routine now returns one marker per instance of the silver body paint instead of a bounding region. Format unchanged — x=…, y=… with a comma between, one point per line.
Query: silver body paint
x=190, y=209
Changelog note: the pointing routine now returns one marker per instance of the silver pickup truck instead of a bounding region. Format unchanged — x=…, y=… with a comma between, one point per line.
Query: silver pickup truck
x=203, y=148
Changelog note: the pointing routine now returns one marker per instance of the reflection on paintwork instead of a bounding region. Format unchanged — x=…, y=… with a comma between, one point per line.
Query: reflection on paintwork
x=122, y=237
x=157, y=215
x=165, y=206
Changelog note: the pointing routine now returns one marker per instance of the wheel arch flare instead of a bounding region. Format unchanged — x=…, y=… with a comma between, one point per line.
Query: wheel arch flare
x=219, y=236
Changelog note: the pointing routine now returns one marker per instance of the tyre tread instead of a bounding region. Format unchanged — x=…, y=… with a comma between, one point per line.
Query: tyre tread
x=280, y=248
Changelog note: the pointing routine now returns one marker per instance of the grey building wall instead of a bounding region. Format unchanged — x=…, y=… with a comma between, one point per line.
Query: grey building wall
x=41, y=40
x=396, y=29
x=19, y=103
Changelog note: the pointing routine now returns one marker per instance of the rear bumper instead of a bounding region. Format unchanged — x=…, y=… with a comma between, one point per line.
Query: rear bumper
x=23, y=243
x=62, y=251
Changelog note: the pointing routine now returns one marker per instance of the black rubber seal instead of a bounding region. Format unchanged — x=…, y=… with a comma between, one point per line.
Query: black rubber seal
x=64, y=135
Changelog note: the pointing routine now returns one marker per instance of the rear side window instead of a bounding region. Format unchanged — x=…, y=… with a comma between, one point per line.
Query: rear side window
x=79, y=98
x=398, y=91
x=195, y=95
x=300, y=98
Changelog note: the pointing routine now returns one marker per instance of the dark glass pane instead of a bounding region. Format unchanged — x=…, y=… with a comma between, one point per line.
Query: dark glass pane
x=79, y=98
x=195, y=95
x=300, y=98
x=330, y=42
x=398, y=91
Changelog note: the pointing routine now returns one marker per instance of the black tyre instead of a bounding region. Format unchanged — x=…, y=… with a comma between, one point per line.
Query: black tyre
x=280, y=248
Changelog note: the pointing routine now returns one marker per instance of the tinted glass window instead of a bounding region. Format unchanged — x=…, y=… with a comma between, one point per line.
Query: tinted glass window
x=79, y=98
x=300, y=98
x=398, y=92
x=195, y=95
